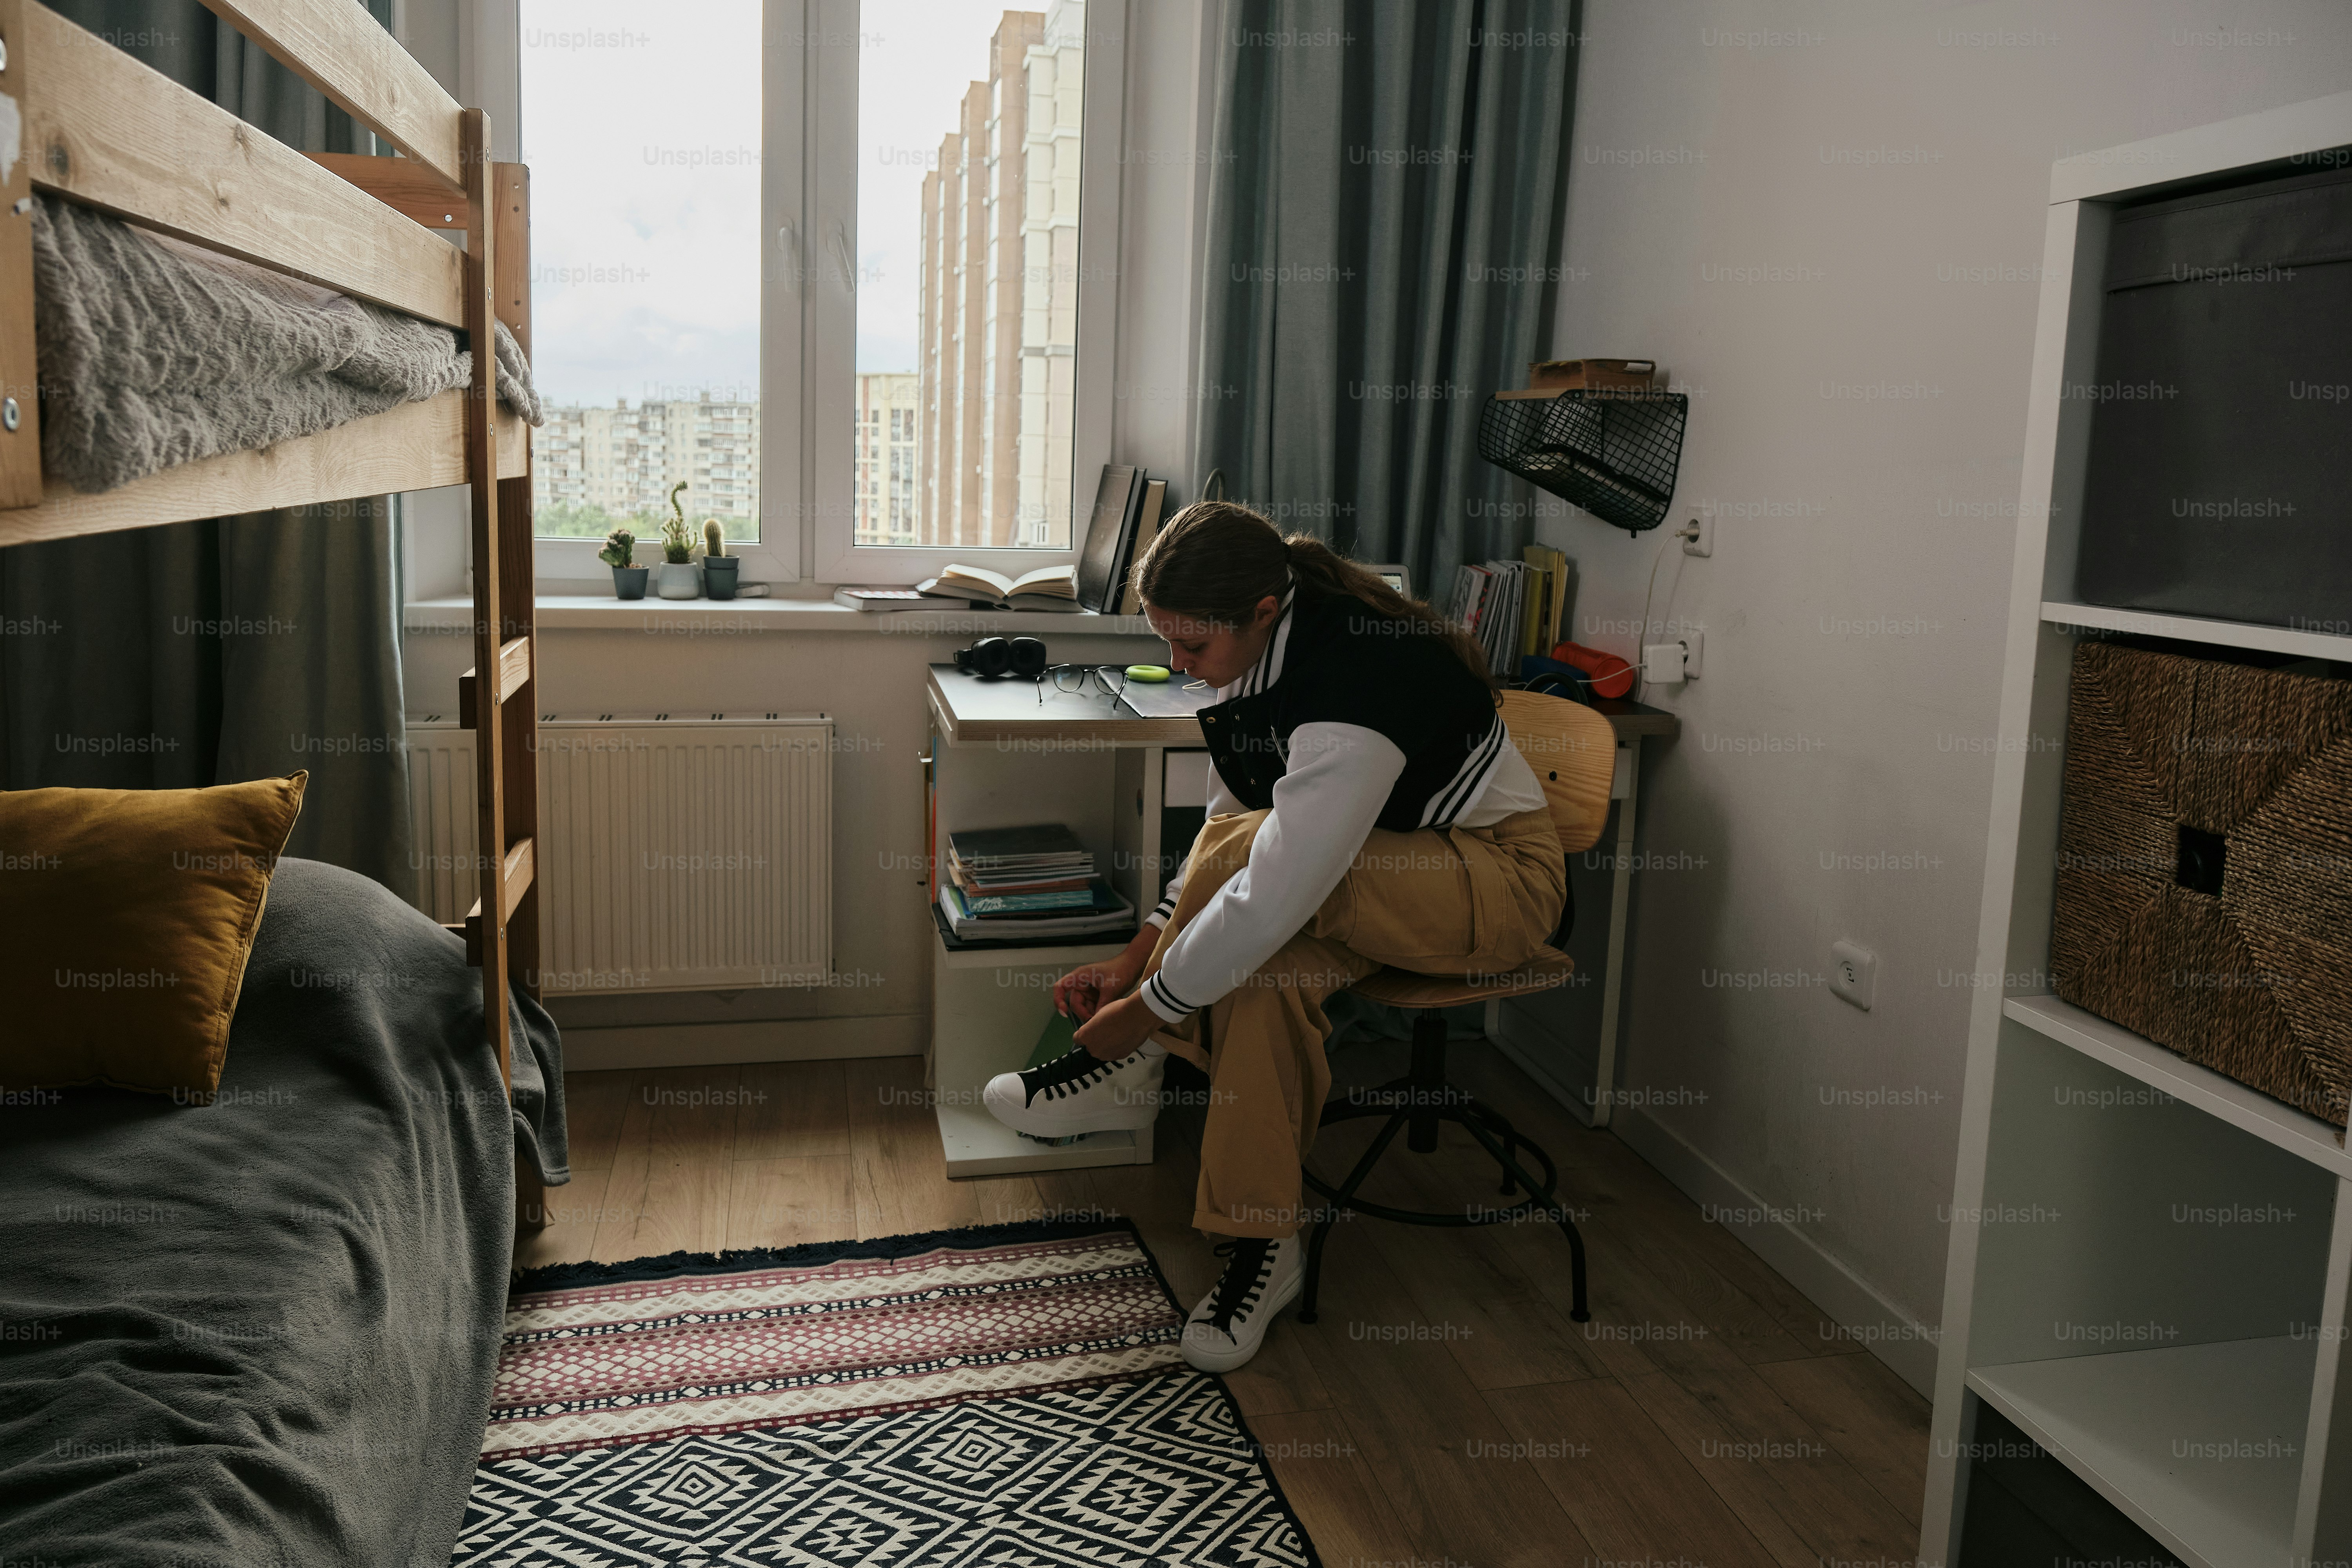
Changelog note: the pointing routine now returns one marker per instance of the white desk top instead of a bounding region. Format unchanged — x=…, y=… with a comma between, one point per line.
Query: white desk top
x=976, y=712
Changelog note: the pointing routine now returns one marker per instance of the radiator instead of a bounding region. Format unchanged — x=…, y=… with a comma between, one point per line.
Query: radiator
x=674, y=853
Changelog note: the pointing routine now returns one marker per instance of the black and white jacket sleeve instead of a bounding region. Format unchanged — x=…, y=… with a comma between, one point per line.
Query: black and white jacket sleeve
x=1336, y=780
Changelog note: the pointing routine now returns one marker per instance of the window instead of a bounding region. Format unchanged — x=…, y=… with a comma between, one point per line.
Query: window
x=964, y=159
x=822, y=262
x=643, y=128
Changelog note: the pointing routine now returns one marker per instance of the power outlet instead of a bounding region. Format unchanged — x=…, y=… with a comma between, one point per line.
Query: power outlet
x=1672, y=663
x=1698, y=535
x=1854, y=972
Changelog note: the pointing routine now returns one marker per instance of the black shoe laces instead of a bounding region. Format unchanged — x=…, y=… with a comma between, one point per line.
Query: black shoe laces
x=1250, y=1263
x=1073, y=1072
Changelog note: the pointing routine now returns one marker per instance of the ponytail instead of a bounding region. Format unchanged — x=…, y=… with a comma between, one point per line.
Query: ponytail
x=1217, y=559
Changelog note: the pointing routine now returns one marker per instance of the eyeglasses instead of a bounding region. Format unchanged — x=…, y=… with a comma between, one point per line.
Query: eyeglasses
x=1070, y=679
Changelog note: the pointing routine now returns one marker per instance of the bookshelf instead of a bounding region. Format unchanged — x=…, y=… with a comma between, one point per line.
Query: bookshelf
x=2190, y=1371
x=1001, y=753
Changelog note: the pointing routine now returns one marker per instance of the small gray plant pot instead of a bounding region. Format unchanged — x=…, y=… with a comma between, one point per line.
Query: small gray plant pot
x=629, y=581
x=678, y=580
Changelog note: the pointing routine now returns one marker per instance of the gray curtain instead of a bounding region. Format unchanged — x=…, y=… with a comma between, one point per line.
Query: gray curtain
x=234, y=649
x=1387, y=185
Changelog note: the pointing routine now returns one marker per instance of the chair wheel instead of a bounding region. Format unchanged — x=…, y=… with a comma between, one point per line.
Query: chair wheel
x=1306, y=1317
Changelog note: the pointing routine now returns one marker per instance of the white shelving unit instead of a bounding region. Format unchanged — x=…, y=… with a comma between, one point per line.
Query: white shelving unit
x=2149, y=1262
x=2119, y=1419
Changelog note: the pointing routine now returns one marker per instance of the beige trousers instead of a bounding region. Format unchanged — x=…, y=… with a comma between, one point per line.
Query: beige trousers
x=1462, y=900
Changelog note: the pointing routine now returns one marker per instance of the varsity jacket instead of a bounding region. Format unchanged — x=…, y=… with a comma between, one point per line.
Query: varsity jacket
x=1350, y=721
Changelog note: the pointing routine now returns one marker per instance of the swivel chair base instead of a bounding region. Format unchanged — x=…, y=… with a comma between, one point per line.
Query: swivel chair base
x=1418, y=1102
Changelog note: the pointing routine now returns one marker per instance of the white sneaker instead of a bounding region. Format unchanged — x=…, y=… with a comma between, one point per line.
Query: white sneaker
x=1077, y=1093
x=1261, y=1278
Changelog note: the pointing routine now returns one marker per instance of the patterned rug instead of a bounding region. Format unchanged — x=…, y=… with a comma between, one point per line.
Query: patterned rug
x=1005, y=1395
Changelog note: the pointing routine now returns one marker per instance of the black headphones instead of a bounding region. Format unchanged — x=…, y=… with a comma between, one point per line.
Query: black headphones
x=993, y=656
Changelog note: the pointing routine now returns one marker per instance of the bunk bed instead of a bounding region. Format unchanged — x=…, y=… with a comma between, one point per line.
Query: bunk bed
x=248, y=1452
x=101, y=130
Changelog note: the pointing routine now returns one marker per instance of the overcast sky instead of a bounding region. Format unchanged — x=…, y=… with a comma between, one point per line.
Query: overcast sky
x=641, y=125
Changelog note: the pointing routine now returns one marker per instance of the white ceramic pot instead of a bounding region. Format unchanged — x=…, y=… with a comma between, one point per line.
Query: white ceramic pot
x=678, y=580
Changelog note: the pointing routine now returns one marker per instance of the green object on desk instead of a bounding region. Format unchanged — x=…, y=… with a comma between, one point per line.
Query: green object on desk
x=1147, y=672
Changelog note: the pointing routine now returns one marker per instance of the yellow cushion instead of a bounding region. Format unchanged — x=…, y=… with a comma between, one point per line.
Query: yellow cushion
x=126, y=917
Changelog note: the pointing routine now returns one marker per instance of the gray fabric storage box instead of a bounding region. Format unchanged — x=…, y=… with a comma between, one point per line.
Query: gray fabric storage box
x=2220, y=472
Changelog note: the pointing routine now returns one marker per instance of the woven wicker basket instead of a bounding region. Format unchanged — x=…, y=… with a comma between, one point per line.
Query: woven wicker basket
x=2204, y=891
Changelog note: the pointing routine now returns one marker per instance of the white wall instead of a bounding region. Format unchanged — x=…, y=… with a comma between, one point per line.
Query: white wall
x=1794, y=206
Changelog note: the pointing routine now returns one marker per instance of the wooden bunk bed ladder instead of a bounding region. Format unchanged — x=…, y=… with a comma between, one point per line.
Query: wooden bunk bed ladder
x=502, y=930
x=503, y=927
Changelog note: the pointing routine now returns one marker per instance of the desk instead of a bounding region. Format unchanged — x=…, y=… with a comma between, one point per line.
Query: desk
x=998, y=757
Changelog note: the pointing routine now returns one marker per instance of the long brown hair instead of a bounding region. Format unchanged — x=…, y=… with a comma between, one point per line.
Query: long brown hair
x=1216, y=559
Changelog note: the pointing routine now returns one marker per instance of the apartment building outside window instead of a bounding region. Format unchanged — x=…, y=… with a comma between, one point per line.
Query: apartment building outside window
x=887, y=457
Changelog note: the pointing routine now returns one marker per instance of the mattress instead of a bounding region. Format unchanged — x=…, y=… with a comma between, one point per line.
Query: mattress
x=154, y=352
x=262, y=1332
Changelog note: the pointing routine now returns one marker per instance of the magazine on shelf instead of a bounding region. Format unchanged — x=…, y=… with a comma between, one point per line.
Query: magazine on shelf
x=1107, y=912
x=1003, y=882
x=1039, y=845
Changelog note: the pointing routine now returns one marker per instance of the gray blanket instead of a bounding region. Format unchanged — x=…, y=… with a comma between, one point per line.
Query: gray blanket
x=260, y=1333
x=153, y=353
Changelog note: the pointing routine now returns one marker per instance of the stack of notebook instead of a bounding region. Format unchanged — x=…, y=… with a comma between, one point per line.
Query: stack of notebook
x=1502, y=604
x=1027, y=884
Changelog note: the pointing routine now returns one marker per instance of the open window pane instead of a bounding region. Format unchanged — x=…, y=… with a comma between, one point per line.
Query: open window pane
x=642, y=128
x=967, y=284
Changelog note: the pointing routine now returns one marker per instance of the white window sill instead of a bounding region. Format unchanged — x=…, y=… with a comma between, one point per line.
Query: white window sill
x=579, y=612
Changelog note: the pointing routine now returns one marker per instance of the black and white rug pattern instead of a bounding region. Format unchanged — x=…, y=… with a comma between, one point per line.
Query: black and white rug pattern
x=1153, y=1473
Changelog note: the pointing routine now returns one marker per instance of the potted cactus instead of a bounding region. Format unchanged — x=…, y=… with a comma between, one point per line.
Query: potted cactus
x=620, y=552
x=718, y=568
x=680, y=578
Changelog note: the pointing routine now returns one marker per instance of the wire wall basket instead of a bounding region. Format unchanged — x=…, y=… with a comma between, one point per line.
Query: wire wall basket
x=1612, y=452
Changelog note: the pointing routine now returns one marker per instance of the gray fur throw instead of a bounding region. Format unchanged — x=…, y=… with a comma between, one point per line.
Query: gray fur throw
x=153, y=353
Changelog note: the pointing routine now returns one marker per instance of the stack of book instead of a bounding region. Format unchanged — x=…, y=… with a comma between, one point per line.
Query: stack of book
x=1027, y=884
x=1486, y=604
x=1513, y=607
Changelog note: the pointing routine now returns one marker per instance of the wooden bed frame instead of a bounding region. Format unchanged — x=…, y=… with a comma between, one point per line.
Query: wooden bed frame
x=101, y=129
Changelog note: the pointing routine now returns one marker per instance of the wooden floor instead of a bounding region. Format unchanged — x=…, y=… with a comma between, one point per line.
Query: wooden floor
x=1444, y=1409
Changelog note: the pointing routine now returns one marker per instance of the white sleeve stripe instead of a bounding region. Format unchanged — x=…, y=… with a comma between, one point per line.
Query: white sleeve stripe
x=1458, y=794
x=1166, y=999
x=1444, y=797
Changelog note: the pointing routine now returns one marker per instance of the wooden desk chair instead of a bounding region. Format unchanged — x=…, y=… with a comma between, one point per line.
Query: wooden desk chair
x=1573, y=752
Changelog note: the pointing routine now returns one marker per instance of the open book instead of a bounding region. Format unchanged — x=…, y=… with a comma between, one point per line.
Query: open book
x=1047, y=588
